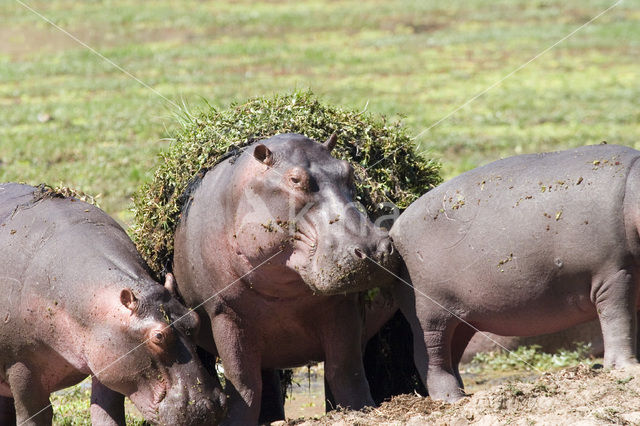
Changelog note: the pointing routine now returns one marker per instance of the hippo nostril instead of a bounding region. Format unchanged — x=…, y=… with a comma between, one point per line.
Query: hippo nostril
x=384, y=250
x=359, y=253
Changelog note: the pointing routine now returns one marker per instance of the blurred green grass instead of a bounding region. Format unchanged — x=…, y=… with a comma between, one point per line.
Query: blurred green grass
x=67, y=117
x=414, y=59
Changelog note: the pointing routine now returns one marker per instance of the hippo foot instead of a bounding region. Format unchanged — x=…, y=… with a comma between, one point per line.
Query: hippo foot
x=443, y=385
x=632, y=368
x=448, y=396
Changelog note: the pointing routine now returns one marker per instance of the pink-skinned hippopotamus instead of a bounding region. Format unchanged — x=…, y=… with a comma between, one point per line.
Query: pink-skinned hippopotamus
x=526, y=245
x=78, y=300
x=274, y=248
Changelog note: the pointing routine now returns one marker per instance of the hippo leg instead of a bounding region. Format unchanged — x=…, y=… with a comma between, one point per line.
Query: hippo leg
x=7, y=411
x=272, y=402
x=615, y=301
x=32, y=402
x=461, y=337
x=433, y=332
x=241, y=361
x=343, y=366
x=638, y=336
x=107, y=406
x=435, y=339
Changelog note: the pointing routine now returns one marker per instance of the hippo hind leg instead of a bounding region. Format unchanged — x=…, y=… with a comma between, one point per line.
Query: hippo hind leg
x=615, y=301
x=272, y=402
x=7, y=411
x=461, y=337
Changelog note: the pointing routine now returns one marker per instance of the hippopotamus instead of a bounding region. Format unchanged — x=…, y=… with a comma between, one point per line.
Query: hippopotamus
x=78, y=300
x=273, y=249
x=526, y=245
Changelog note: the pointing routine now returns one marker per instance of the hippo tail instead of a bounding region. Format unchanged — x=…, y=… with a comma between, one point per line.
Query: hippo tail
x=631, y=208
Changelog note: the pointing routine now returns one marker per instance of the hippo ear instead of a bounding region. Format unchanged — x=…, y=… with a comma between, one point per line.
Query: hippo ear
x=170, y=283
x=263, y=154
x=331, y=142
x=128, y=299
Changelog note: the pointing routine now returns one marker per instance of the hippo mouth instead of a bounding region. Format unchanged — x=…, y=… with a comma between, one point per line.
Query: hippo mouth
x=148, y=400
x=308, y=238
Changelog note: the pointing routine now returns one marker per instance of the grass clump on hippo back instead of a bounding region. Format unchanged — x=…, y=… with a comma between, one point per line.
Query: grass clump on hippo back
x=396, y=175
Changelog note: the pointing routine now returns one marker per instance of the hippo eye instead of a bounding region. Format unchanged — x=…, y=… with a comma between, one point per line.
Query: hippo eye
x=298, y=179
x=158, y=337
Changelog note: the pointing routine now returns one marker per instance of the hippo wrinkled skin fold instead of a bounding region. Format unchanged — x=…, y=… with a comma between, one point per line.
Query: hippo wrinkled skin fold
x=526, y=245
x=77, y=300
x=274, y=245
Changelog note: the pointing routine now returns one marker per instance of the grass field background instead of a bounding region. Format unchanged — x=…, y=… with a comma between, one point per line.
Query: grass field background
x=68, y=117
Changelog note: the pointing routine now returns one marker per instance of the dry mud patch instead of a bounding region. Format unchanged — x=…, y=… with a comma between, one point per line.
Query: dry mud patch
x=576, y=395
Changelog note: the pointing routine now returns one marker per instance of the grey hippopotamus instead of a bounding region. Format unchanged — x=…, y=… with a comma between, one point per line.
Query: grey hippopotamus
x=526, y=245
x=273, y=246
x=77, y=301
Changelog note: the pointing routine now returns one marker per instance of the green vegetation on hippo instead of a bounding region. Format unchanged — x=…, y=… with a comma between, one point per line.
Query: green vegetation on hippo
x=47, y=191
x=387, y=167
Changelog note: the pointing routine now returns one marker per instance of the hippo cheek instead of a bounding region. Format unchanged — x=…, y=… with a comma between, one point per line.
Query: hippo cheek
x=259, y=241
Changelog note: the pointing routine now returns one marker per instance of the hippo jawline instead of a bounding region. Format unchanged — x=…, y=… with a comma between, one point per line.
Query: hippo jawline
x=340, y=280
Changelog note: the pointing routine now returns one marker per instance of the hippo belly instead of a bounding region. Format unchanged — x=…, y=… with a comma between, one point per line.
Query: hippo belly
x=527, y=245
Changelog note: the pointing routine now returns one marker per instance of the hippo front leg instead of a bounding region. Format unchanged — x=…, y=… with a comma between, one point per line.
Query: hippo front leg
x=31, y=400
x=343, y=367
x=241, y=361
x=615, y=301
x=433, y=330
x=107, y=406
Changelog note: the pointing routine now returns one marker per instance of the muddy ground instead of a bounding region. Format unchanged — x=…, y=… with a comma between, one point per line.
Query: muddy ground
x=576, y=395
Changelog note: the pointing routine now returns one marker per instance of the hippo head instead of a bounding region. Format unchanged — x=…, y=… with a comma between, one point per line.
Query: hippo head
x=153, y=359
x=294, y=201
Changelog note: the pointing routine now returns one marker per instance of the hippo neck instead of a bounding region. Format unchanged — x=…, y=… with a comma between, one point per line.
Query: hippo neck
x=194, y=183
x=208, y=224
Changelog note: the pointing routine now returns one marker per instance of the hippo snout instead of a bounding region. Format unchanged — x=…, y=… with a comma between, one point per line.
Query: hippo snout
x=191, y=405
x=197, y=410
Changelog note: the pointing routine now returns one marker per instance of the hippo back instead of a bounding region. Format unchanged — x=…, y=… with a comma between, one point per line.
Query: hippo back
x=49, y=237
x=12, y=195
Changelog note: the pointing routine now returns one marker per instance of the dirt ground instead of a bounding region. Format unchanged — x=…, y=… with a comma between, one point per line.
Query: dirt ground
x=576, y=395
